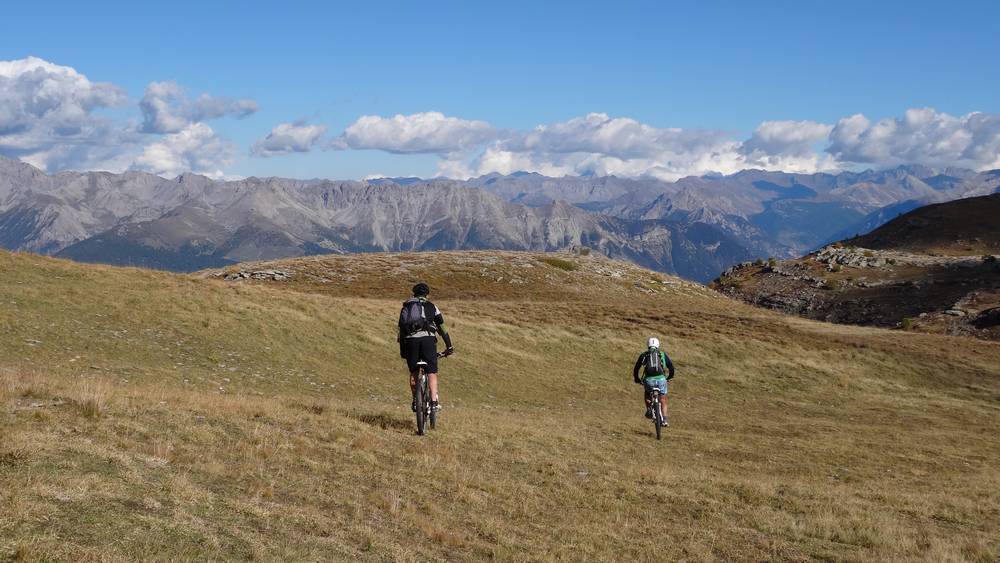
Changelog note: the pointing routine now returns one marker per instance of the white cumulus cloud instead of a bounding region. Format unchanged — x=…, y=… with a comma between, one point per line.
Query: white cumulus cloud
x=288, y=138
x=47, y=115
x=166, y=108
x=621, y=137
x=603, y=145
x=50, y=116
x=790, y=146
x=196, y=148
x=921, y=136
x=796, y=138
x=427, y=132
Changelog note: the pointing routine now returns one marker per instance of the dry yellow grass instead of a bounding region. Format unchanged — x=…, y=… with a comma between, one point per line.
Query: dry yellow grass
x=153, y=416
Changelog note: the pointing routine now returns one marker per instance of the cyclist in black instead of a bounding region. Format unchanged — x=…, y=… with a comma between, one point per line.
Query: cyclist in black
x=419, y=323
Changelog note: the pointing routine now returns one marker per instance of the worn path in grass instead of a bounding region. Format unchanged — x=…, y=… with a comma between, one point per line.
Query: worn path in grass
x=150, y=415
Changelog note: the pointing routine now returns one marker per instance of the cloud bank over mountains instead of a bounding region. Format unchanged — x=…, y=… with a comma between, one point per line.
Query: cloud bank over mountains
x=427, y=132
x=599, y=144
x=54, y=117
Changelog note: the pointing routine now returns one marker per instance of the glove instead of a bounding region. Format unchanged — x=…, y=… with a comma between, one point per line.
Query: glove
x=637, y=380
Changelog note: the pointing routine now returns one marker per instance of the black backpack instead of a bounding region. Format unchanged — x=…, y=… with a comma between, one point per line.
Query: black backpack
x=654, y=362
x=413, y=318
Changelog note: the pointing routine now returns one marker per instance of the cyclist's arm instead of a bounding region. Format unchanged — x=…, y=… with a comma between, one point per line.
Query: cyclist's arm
x=439, y=321
x=635, y=370
x=669, y=364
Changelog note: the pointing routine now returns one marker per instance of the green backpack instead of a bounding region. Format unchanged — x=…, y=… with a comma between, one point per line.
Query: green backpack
x=654, y=362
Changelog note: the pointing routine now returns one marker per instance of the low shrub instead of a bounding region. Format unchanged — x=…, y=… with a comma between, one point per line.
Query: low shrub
x=565, y=265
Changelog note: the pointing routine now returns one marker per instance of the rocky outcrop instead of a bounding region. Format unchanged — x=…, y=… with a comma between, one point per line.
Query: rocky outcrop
x=888, y=287
x=272, y=275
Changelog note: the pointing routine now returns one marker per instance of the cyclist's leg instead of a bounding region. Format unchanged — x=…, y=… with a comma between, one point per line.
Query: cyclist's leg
x=432, y=379
x=647, y=399
x=411, y=350
x=663, y=400
x=428, y=353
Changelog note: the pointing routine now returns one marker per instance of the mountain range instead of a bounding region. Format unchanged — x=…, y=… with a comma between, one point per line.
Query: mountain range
x=695, y=227
x=769, y=213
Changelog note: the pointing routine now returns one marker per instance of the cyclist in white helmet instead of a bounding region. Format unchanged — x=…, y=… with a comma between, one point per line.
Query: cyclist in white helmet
x=657, y=371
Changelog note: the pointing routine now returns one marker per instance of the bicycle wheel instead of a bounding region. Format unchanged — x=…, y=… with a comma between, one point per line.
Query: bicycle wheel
x=433, y=415
x=657, y=414
x=421, y=405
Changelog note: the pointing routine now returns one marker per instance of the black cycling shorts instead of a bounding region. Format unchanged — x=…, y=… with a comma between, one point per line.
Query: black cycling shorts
x=421, y=348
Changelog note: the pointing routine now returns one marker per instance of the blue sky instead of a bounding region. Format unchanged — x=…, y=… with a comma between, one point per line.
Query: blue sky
x=708, y=66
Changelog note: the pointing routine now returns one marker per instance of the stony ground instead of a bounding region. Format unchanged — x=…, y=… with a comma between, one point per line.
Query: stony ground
x=957, y=295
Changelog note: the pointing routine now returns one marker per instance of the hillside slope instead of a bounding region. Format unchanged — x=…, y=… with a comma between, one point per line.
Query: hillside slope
x=934, y=269
x=965, y=227
x=148, y=415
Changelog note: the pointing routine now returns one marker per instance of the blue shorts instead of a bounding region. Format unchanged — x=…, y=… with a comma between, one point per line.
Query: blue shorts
x=657, y=383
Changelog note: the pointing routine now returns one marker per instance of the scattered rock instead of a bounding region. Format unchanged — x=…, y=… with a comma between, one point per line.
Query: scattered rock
x=274, y=275
x=833, y=256
x=988, y=318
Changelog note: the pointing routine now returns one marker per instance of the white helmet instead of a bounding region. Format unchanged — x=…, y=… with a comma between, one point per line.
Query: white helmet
x=653, y=342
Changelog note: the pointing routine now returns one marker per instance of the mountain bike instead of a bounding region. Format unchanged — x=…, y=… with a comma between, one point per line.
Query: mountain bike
x=422, y=397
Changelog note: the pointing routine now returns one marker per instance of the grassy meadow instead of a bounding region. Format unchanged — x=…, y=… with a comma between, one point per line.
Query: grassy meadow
x=147, y=415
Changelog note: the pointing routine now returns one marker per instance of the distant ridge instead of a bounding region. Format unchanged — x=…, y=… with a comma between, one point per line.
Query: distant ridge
x=193, y=222
x=695, y=227
x=965, y=226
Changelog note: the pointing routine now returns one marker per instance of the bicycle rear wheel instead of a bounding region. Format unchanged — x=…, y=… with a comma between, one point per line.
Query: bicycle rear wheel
x=657, y=414
x=421, y=403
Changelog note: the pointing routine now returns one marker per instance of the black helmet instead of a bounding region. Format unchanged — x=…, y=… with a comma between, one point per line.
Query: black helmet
x=421, y=290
